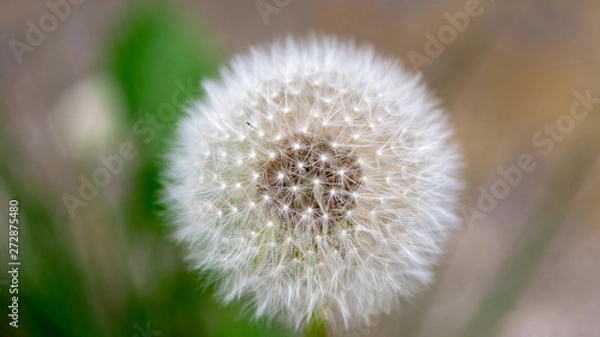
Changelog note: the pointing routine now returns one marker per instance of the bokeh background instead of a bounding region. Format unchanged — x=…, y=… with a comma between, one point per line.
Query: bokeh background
x=526, y=265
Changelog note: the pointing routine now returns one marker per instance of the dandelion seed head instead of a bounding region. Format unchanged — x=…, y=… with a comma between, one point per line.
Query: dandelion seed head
x=346, y=194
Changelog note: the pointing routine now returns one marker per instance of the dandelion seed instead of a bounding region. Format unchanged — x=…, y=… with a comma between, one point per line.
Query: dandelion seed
x=306, y=194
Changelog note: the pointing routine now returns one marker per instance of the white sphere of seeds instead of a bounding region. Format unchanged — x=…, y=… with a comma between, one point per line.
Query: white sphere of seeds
x=316, y=180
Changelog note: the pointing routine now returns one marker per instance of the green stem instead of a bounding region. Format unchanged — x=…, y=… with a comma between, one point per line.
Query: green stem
x=316, y=328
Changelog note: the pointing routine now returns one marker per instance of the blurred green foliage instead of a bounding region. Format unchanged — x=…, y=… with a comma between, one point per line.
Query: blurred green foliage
x=152, y=57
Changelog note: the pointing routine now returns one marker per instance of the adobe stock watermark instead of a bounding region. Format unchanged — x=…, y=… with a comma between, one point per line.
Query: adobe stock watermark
x=58, y=11
x=545, y=141
x=268, y=7
x=113, y=164
x=145, y=331
x=435, y=45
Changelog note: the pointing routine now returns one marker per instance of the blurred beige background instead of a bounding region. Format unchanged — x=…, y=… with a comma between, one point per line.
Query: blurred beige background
x=514, y=70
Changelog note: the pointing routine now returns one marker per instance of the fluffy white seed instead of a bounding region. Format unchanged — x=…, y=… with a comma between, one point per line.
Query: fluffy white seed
x=346, y=193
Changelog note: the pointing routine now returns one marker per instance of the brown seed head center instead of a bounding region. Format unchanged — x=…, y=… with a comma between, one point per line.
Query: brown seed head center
x=311, y=181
